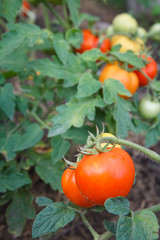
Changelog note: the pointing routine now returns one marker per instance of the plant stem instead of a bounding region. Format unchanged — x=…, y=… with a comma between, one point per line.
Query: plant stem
x=151, y=154
x=33, y=114
x=90, y=228
x=59, y=18
x=46, y=17
x=155, y=208
x=105, y=236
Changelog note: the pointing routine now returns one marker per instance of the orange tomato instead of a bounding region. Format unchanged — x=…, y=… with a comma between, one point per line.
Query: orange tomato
x=128, y=79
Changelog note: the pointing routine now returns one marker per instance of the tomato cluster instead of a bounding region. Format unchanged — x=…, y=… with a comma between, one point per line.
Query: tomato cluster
x=99, y=177
x=91, y=41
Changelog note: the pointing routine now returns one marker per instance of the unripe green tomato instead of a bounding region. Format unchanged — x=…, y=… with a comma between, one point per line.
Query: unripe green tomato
x=124, y=23
x=110, y=30
x=154, y=32
x=149, y=108
x=141, y=32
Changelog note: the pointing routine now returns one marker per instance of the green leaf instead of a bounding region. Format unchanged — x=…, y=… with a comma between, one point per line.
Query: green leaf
x=111, y=89
x=2, y=79
x=10, y=144
x=10, y=9
x=87, y=17
x=50, y=173
x=60, y=148
x=32, y=136
x=73, y=114
x=92, y=55
x=61, y=47
x=152, y=136
x=50, y=219
x=7, y=99
x=129, y=57
x=139, y=125
x=22, y=104
x=122, y=117
x=70, y=72
x=74, y=37
x=110, y=226
x=19, y=210
x=74, y=10
x=11, y=179
x=43, y=201
x=20, y=33
x=78, y=135
x=87, y=85
x=118, y=205
x=142, y=226
x=155, y=85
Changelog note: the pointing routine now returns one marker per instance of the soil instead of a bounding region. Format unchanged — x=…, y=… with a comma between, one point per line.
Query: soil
x=144, y=193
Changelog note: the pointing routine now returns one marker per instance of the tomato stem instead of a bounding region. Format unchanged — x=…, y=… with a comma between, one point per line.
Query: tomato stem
x=155, y=208
x=151, y=154
x=46, y=16
x=95, y=235
x=59, y=18
x=105, y=236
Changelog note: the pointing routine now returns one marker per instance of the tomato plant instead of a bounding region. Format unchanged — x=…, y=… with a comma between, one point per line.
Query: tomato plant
x=71, y=190
x=128, y=79
x=150, y=70
x=50, y=97
x=101, y=177
x=149, y=107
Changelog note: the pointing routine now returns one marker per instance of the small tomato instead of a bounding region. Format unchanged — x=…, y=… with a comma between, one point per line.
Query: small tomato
x=89, y=41
x=128, y=79
x=149, y=108
x=25, y=8
x=150, y=69
x=71, y=190
x=105, y=45
x=126, y=43
x=124, y=23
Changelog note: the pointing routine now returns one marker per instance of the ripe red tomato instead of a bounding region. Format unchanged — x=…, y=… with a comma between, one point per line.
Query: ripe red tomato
x=105, y=175
x=150, y=69
x=89, y=41
x=71, y=190
x=25, y=7
x=128, y=79
x=105, y=46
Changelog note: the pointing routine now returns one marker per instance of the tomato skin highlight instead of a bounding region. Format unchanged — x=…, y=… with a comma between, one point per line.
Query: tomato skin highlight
x=71, y=190
x=105, y=175
x=128, y=79
x=89, y=41
x=150, y=69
